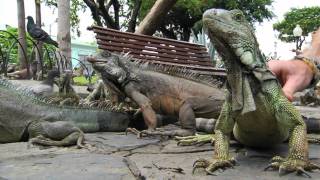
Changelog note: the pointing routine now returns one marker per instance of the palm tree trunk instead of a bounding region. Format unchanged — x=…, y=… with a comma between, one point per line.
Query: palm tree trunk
x=22, y=50
x=64, y=37
x=39, y=55
x=153, y=19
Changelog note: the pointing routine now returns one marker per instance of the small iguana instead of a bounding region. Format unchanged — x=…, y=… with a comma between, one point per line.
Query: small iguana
x=161, y=93
x=255, y=109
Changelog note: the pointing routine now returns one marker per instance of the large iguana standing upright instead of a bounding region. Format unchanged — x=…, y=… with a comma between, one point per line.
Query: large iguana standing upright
x=255, y=109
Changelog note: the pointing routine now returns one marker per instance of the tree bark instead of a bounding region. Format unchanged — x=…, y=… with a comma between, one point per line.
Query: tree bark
x=38, y=74
x=22, y=50
x=134, y=14
x=94, y=11
x=116, y=8
x=150, y=23
x=64, y=37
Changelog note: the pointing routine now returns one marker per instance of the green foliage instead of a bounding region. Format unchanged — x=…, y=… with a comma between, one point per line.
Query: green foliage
x=9, y=46
x=82, y=81
x=145, y=7
x=75, y=7
x=307, y=18
x=255, y=11
x=188, y=13
x=10, y=49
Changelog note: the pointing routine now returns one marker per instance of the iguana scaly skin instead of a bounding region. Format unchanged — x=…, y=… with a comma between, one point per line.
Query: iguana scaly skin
x=255, y=109
x=156, y=92
x=24, y=116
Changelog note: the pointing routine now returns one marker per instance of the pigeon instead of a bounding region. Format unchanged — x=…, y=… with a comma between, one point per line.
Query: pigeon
x=39, y=34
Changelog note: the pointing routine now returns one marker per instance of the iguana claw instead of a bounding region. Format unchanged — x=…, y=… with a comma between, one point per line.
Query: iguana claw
x=287, y=166
x=200, y=163
x=134, y=131
x=217, y=164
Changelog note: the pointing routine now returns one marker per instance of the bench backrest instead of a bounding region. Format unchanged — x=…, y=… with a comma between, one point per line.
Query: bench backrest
x=157, y=50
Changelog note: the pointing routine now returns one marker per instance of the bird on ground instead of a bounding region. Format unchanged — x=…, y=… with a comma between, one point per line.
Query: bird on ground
x=39, y=34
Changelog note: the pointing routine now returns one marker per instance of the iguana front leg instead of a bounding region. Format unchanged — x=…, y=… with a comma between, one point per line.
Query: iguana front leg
x=223, y=130
x=145, y=105
x=297, y=159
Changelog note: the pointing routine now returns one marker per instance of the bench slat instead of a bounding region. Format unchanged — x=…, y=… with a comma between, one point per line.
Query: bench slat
x=156, y=57
x=139, y=36
x=141, y=45
x=148, y=39
x=201, y=69
x=149, y=51
x=157, y=50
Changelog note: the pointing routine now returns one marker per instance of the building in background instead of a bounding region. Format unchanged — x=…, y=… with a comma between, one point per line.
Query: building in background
x=79, y=52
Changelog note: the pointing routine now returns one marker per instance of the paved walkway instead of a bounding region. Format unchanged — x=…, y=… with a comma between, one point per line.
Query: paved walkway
x=120, y=156
x=117, y=156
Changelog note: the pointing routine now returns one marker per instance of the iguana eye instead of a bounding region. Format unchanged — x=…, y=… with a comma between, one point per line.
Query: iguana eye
x=238, y=17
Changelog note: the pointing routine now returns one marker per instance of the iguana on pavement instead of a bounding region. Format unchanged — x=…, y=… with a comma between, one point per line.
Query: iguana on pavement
x=255, y=109
x=161, y=93
x=149, y=84
x=24, y=116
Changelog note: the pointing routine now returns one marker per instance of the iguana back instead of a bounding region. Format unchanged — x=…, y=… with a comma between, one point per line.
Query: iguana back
x=19, y=108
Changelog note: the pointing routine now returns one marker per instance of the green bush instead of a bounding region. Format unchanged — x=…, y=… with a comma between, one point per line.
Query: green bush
x=82, y=81
x=7, y=47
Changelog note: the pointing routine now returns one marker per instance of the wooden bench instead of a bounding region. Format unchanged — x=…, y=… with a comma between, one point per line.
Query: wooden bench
x=157, y=50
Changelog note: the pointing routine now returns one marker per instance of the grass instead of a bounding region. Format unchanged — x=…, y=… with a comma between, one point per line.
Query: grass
x=82, y=81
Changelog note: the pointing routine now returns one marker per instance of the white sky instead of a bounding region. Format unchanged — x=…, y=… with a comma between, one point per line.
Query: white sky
x=264, y=31
x=266, y=35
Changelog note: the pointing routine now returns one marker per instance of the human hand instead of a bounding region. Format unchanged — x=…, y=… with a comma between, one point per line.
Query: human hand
x=294, y=75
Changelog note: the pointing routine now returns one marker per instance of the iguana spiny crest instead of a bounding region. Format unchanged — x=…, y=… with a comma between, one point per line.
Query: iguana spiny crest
x=121, y=68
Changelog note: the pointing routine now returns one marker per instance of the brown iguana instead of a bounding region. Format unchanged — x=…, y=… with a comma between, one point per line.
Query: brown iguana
x=151, y=85
x=161, y=93
x=255, y=110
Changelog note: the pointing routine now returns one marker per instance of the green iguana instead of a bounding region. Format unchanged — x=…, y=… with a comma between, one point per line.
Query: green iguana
x=255, y=109
x=161, y=93
x=24, y=116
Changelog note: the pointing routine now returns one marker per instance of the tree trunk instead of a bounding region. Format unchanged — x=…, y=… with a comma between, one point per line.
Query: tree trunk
x=152, y=20
x=38, y=74
x=22, y=50
x=94, y=11
x=64, y=37
x=134, y=14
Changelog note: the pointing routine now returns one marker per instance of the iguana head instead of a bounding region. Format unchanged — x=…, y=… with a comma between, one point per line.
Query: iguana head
x=110, y=67
x=232, y=36
x=115, y=72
